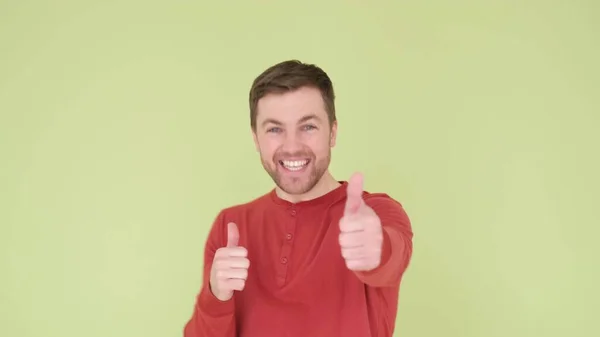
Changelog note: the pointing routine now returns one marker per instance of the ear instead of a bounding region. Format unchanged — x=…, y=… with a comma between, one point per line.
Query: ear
x=333, y=134
x=255, y=141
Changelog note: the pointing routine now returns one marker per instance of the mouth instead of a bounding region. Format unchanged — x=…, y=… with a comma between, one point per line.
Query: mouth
x=294, y=165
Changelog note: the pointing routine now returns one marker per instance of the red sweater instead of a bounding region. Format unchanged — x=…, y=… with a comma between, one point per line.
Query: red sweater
x=298, y=284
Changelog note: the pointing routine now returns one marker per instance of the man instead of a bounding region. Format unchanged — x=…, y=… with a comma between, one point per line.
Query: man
x=314, y=256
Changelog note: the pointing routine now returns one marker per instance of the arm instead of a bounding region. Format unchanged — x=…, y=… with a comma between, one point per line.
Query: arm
x=212, y=317
x=397, y=242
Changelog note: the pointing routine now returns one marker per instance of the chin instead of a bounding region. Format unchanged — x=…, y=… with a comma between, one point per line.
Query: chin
x=297, y=180
x=296, y=185
x=295, y=189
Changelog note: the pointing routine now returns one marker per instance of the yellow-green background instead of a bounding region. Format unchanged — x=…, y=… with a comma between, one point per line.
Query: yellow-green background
x=124, y=130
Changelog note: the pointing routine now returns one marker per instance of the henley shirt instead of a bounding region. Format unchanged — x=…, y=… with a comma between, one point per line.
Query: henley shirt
x=298, y=284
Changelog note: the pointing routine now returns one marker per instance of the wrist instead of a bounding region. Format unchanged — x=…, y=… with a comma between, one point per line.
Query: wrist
x=209, y=303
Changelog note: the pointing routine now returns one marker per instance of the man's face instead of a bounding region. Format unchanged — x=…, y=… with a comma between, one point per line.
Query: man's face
x=294, y=138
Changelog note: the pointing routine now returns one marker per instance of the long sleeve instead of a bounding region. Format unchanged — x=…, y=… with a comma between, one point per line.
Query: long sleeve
x=212, y=317
x=397, y=242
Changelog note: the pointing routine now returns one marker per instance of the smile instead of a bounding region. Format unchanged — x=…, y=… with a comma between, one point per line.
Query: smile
x=294, y=165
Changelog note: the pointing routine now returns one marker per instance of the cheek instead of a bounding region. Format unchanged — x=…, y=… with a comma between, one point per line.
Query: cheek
x=319, y=145
x=267, y=147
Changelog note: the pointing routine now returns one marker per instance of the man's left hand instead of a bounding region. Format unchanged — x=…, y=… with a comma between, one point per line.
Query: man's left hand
x=361, y=235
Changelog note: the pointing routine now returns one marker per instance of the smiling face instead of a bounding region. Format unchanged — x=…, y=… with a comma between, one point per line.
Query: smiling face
x=294, y=138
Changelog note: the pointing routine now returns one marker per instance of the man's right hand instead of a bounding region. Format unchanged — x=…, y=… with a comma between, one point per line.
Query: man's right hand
x=230, y=266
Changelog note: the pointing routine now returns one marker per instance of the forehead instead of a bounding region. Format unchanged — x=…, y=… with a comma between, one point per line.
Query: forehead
x=292, y=105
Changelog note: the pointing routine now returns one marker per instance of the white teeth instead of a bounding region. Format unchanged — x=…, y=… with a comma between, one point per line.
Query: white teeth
x=294, y=165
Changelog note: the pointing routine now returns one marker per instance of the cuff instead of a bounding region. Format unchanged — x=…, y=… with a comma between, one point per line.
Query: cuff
x=381, y=275
x=212, y=306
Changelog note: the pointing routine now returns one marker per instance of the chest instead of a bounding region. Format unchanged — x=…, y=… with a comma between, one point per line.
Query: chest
x=294, y=245
x=296, y=267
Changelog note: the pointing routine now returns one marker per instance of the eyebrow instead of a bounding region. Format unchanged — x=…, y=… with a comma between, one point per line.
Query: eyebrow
x=302, y=120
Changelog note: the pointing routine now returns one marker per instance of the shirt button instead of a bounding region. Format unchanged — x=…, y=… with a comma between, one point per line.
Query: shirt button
x=293, y=212
x=284, y=260
x=289, y=236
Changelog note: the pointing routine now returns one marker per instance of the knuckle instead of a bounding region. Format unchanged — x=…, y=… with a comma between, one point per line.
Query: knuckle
x=222, y=264
x=350, y=264
x=218, y=264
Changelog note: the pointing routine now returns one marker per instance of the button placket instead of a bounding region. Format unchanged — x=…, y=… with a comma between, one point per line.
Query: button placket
x=286, y=248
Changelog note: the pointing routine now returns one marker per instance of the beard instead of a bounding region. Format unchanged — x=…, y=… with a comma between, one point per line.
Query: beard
x=295, y=185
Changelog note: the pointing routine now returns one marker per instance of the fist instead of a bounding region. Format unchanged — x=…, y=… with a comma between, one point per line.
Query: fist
x=361, y=235
x=230, y=266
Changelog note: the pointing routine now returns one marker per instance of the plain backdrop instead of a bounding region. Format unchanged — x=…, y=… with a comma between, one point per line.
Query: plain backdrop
x=124, y=129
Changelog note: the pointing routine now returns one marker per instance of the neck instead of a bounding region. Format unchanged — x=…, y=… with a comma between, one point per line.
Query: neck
x=325, y=185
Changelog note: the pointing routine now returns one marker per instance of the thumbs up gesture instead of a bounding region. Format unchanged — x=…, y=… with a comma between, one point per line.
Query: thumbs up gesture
x=361, y=235
x=230, y=266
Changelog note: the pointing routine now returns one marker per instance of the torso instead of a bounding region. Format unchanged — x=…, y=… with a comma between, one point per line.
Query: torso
x=298, y=283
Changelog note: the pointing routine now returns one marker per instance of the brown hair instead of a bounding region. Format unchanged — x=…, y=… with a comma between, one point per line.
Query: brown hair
x=289, y=76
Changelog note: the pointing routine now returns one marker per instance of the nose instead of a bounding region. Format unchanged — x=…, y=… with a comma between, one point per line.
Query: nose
x=291, y=142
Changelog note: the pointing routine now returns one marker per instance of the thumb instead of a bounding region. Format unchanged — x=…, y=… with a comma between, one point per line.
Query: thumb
x=233, y=235
x=354, y=193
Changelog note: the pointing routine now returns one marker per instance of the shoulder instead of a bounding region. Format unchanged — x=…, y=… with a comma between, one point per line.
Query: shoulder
x=236, y=211
x=386, y=207
x=380, y=199
x=238, y=214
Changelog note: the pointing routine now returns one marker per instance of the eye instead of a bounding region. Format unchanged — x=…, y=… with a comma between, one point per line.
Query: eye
x=309, y=127
x=274, y=130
